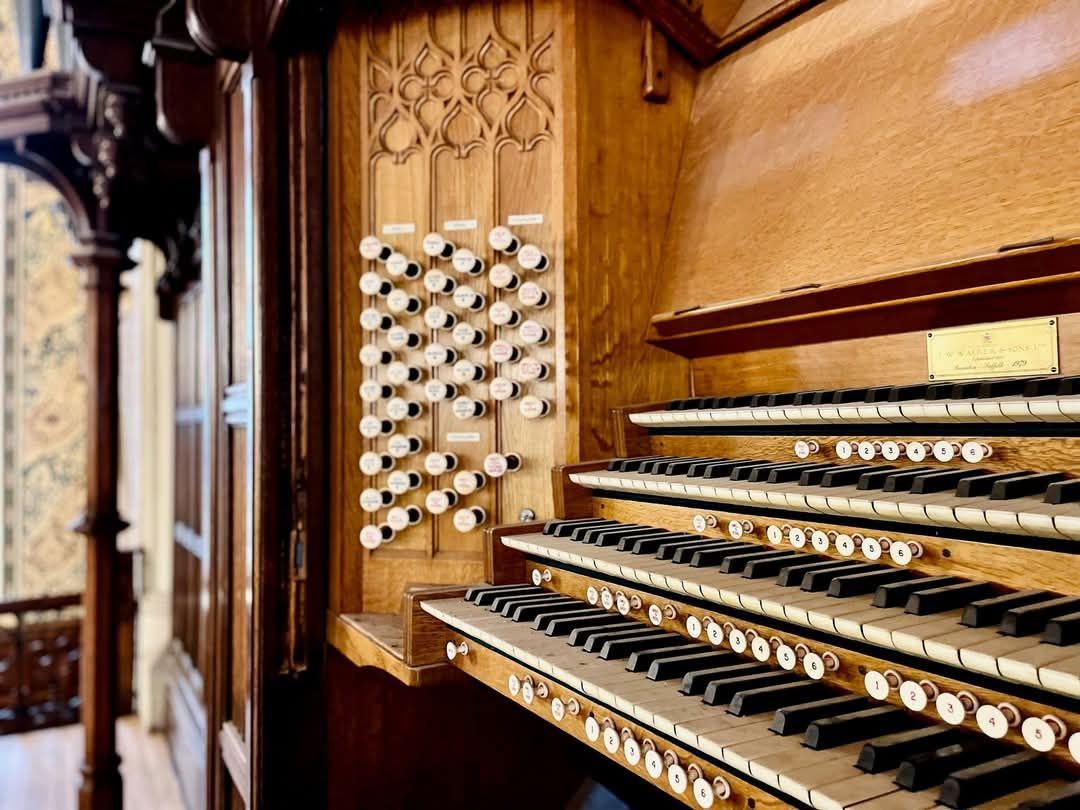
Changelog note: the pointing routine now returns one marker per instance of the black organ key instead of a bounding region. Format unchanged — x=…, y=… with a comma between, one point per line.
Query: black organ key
x=967, y=390
x=527, y=611
x=501, y=600
x=1062, y=798
x=756, y=569
x=595, y=641
x=1024, y=486
x=623, y=647
x=579, y=636
x=991, y=780
x=1063, y=630
x=510, y=607
x=829, y=732
x=742, y=400
x=677, y=666
x=485, y=597
x=642, y=660
x=939, y=391
x=697, y=469
x=922, y=771
x=760, y=474
x=564, y=625
x=794, y=473
x=722, y=691
x=991, y=610
x=1022, y=621
x=878, y=478
x=941, y=480
x=760, y=400
x=1063, y=491
x=866, y=581
x=901, y=481
x=823, y=397
x=847, y=476
x=684, y=554
x=697, y=681
x=567, y=528
x=681, y=467
x=589, y=534
x=658, y=465
x=846, y=395
x=791, y=576
x=742, y=471
x=703, y=557
x=725, y=469
x=796, y=719
x=820, y=579
x=542, y=621
x=1041, y=386
x=667, y=549
x=735, y=563
x=477, y=591
x=627, y=540
x=1001, y=388
x=775, y=400
x=770, y=698
x=895, y=594
x=635, y=464
x=605, y=538
x=886, y=753
x=947, y=597
x=650, y=543
x=982, y=485
x=907, y=393
x=806, y=397
x=1068, y=386
x=879, y=394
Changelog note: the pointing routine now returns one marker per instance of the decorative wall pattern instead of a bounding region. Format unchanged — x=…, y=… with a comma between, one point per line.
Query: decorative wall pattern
x=44, y=390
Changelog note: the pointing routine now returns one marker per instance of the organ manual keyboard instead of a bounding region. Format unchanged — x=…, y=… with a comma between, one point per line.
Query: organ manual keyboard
x=785, y=615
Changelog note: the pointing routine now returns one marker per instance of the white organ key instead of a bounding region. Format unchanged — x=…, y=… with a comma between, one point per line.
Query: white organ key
x=399, y=373
x=534, y=407
x=467, y=262
x=468, y=408
x=502, y=314
x=533, y=295
x=439, y=501
x=437, y=282
x=372, y=320
x=400, y=446
x=371, y=283
x=496, y=465
x=437, y=246
x=400, y=302
x=465, y=520
x=400, y=266
x=532, y=258
x=372, y=499
x=373, y=248
x=465, y=334
x=503, y=351
x=438, y=318
x=466, y=371
x=438, y=355
x=440, y=463
x=470, y=299
x=503, y=277
x=503, y=240
x=502, y=389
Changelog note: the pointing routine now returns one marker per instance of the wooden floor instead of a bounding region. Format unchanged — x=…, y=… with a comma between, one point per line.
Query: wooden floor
x=40, y=770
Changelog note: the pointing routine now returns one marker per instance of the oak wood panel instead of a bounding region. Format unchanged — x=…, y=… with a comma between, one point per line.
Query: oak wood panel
x=494, y=670
x=503, y=565
x=897, y=359
x=422, y=641
x=853, y=665
x=795, y=173
x=376, y=640
x=1012, y=567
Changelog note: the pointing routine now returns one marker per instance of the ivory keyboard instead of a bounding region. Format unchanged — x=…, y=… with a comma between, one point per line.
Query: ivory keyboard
x=712, y=727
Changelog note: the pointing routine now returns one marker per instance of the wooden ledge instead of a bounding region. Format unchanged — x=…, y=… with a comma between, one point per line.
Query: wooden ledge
x=1013, y=283
x=378, y=640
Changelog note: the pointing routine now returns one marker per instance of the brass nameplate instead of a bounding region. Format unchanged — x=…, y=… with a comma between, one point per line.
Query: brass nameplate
x=1021, y=348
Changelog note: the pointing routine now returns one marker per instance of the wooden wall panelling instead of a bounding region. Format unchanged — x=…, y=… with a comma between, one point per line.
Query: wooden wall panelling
x=796, y=173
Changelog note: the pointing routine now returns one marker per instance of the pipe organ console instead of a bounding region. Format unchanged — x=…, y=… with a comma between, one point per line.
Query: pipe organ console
x=829, y=558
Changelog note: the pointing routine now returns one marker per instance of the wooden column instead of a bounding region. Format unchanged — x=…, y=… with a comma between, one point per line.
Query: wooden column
x=102, y=259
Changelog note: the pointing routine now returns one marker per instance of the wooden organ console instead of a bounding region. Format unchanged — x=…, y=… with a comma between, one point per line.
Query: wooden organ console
x=829, y=559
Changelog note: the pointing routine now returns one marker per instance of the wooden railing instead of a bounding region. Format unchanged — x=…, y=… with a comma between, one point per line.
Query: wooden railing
x=40, y=651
